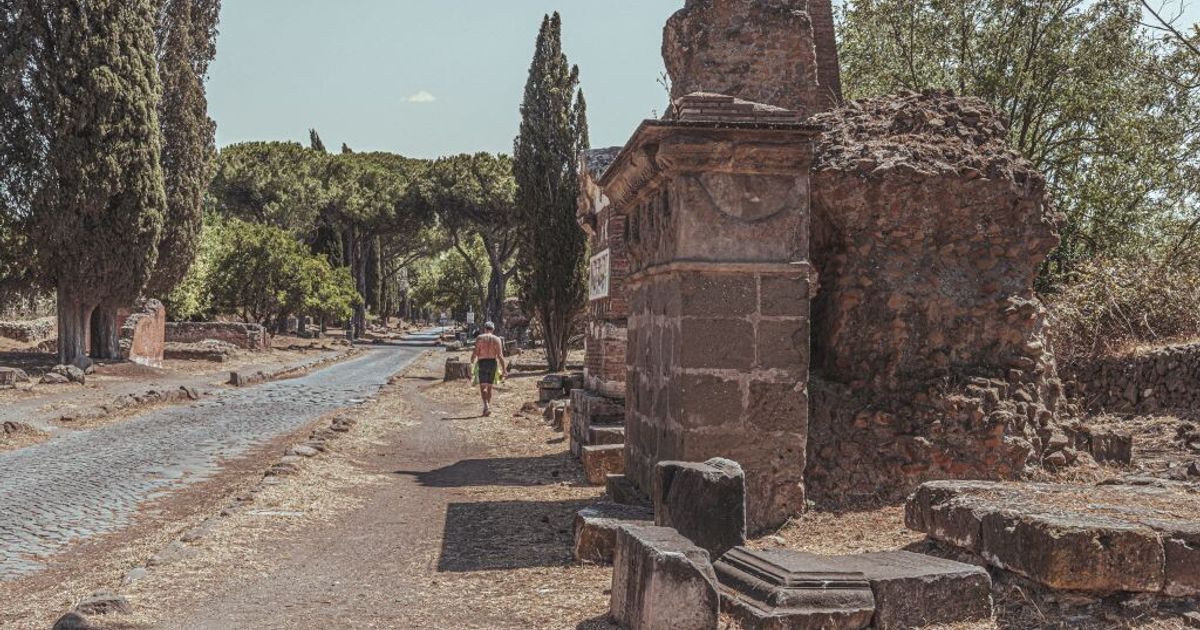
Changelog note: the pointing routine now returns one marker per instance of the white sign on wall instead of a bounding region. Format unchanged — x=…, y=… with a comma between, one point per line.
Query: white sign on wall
x=598, y=275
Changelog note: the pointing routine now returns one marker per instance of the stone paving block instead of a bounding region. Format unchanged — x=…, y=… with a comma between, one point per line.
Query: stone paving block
x=1098, y=539
x=661, y=580
x=596, y=529
x=704, y=502
x=788, y=590
x=913, y=590
x=601, y=461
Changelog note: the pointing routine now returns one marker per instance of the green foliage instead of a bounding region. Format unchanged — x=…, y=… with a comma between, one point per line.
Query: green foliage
x=272, y=183
x=545, y=163
x=444, y=282
x=263, y=274
x=188, y=135
x=1108, y=110
x=191, y=300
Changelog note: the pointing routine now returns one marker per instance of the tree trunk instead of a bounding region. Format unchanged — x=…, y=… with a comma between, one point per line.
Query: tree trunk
x=74, y=319
x=105, y=338
x=493, y=308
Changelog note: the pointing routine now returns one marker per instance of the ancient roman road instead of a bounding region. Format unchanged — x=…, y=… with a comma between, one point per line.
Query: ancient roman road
x=92, y=482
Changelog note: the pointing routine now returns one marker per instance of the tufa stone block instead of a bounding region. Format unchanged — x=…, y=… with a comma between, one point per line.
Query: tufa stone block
x=787, y=590
x=601, y=461
x=596, y=529
x=704, y=502
x=662, y=580
x=620, y=489
x=913, y=590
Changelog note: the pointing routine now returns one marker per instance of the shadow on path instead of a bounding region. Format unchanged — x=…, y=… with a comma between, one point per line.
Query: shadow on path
x=499, y=471
x=498, y=535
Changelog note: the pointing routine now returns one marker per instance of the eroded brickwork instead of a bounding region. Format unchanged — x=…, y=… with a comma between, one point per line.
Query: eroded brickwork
x=777, y=52
x=929, y=355
x=607, y=315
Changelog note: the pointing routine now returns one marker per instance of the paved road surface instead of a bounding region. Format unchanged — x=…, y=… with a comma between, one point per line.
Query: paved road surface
x=92, y=482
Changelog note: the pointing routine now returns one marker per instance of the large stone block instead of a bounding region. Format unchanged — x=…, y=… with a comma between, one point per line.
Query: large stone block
x=662, y=581
x=601, y=461
x=1100, y=539
x=704, y=502
x=596, y=529
x=619, y=489
x=786, y=590
x=914, y=590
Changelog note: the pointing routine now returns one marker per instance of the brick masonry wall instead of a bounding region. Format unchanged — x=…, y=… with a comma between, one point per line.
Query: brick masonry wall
x=1149, y=381
x=245, y=336
x=143, y=333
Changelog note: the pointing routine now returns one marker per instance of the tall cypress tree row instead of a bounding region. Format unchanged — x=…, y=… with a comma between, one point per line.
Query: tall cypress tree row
x=545, y=163
x=98, y=219
x=314, y=141
x=188, y=135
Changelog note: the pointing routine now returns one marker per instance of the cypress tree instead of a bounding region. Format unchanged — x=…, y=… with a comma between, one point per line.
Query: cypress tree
x=97, y=221
x=188, y=137
x=545, y=163
x=314, y=141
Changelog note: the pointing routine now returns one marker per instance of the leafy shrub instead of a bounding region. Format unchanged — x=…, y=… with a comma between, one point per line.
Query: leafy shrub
x=1113, y=306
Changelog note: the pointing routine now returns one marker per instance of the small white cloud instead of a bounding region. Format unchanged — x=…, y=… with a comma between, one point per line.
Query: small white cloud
x=421, y=97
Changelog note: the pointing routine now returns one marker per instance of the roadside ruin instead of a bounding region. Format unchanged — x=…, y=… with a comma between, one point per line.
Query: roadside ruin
x=837, y=298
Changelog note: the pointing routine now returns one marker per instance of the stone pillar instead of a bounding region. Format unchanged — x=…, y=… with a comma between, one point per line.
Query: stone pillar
x=717, y=226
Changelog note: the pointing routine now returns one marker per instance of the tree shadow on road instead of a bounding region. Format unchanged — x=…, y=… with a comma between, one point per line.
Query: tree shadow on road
x=501, y=471
x=500, y=535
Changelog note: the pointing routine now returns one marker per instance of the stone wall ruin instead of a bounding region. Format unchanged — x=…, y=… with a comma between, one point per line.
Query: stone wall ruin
x=888, y=245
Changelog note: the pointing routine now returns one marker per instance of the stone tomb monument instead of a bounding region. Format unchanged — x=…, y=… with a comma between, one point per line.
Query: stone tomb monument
x=839, y=298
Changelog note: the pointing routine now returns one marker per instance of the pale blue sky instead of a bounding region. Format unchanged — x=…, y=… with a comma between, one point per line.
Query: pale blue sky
x=351, y=68
x=346, y=67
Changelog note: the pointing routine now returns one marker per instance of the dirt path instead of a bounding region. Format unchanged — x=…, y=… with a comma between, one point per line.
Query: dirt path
x=425, y=517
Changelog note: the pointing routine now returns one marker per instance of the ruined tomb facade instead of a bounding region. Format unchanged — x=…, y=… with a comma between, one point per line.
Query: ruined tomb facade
x=608, y=301
x=717, y=223
x=928, y=347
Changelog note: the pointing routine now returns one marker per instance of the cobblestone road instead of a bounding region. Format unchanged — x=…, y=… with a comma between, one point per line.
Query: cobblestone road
x=92, y=482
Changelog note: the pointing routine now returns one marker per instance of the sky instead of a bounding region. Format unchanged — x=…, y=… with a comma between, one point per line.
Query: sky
x=426, y=78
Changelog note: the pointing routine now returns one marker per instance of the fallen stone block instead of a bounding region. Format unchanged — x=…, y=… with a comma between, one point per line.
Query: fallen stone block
x=457, y=370
x=73, y=621
x=913, y=590
x=596, y=529
x=620, y=489
x=104, y=603
x=1095, y=539
x=704, y=502
x=601, y=461
x=662, y=580
x=778, y=589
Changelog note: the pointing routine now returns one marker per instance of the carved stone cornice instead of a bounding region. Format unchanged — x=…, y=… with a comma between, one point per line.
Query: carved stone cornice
x=666, y=148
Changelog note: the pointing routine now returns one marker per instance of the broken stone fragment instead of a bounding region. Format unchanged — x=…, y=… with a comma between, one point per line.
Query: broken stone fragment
x=104, y=603
x=601, y=461
x=704, y=502
x=662, y=580
x=620, y=489
x=73, y=621
x=304, y=451
x=596, y=529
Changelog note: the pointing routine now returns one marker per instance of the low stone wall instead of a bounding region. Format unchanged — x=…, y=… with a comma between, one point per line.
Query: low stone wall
x=143, y=334
x=1163, y=378
x=31, y=331
x=244, y=336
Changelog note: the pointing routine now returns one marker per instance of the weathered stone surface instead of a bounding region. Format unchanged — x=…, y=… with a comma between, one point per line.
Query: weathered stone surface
x=714, y=213
x=704, y=502
x=143, y=333
x=104, y=603
x=1098, y=539
x=779, y=52
x=606, y=435
x=787, y=590
x=596, y=529
x=457, y=370
x=73, y=621
x=929, y=355
x=661, y=580
x=588, y=409
x=601, y=461
x=1145, y=381
x=245, y=336
x=619, y=489
x=914, y=590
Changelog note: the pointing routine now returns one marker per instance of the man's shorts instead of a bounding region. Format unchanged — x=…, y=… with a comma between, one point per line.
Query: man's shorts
x=487, y=371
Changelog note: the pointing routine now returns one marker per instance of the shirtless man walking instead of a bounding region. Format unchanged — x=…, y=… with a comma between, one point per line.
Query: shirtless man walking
x=488, y=357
